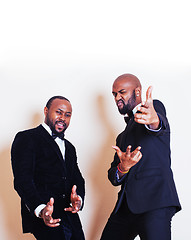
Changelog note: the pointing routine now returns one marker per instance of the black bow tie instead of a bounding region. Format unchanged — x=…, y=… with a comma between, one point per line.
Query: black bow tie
x=59, y=135
x=127, y=118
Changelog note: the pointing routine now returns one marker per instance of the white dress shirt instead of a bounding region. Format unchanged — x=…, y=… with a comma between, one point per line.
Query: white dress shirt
x=59, y=141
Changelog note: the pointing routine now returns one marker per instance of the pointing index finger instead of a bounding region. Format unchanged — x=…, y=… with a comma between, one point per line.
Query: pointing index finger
x=148, y=96
x=149, y=93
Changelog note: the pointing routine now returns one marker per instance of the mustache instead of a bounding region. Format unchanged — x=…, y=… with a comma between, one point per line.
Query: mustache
x=120, y=100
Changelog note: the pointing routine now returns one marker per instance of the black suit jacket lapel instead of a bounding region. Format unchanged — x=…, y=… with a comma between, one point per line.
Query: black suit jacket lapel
x=128, y=128
x=68, y=156
x=51, y=141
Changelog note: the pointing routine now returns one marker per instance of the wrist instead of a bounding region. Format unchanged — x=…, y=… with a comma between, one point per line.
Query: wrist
x=39, y=209
x=155, y=124
x=121, y=169
x=41, y=213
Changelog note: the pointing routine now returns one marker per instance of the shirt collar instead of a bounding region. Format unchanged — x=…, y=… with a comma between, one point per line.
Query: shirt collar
x=47, y=128
x=134, y=110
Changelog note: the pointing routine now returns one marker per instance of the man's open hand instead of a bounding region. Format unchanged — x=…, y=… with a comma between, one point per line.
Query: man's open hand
x=46, y=214
x=128, y=159
x=147, y=114
x=75, y=201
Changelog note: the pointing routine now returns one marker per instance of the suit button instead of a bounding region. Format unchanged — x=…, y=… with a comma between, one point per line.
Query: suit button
x=64, y=178
x=63, y=195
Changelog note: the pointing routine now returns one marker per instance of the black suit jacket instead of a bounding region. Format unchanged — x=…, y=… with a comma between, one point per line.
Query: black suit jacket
x=149, y=184
x=40, y=173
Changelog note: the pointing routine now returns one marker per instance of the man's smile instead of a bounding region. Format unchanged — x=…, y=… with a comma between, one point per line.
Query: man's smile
x=60, y=124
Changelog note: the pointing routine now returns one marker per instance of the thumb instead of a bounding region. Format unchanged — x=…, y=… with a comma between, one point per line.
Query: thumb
x=51, y=202
x=118, y=150
x=49, y=207
x=74, y=189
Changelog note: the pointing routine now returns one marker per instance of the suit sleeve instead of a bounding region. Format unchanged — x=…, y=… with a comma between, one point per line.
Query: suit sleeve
x=23, y=163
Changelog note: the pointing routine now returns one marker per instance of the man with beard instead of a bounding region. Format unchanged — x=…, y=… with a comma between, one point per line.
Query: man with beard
x=148, y=198
x=47, y=177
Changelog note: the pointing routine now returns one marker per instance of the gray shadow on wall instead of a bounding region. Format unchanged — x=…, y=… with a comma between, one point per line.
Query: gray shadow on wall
x=105, y=194
x=10, y=201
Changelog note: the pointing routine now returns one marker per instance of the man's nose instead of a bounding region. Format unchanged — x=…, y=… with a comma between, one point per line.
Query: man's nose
x=62, y=117
x=117, y=97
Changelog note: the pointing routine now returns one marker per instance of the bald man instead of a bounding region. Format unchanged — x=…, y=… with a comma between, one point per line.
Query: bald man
x=148, y=198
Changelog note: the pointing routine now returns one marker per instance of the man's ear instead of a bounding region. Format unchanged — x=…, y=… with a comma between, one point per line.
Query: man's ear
x=138, y=92
x=45, y=111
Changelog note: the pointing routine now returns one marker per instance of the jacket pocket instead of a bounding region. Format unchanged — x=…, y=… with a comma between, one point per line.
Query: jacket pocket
x=148, y=173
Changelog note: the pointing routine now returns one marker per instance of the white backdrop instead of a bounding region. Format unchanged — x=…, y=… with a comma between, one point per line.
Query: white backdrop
x=77, y=49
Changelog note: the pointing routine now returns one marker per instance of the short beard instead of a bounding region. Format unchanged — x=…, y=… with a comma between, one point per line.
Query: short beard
x=52, y=126
x=127, y=108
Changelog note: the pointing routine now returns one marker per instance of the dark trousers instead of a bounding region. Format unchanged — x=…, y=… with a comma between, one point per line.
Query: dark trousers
x=63, y=232
x=153, y=225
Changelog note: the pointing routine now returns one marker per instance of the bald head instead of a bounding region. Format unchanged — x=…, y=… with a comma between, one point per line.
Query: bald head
x=127, y=92
x=130, y=79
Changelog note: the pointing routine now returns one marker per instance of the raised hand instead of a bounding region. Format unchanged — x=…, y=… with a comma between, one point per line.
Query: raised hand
x=46, y=215
x=75, y=200
x=128, y=159
x=147, y=114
